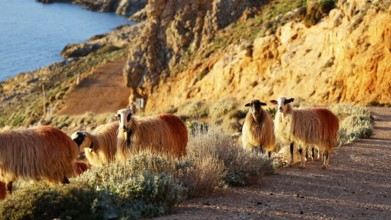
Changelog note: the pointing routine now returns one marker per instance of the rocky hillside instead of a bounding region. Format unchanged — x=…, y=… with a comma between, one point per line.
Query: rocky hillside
x=196, y=53
x=342, y=58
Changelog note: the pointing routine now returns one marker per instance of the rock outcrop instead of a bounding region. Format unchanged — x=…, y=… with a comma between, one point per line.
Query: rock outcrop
x=173, y=27
x=122, y=7
x=121, y=36
x=343, y=58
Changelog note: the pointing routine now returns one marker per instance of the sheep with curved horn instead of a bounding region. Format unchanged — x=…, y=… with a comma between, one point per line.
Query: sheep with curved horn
x=258, y=129
x=164, y=133
x=309, y=126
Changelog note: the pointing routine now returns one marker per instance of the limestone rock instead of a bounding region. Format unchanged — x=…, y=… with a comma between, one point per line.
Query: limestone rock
x=343, y=58
x=172, y=27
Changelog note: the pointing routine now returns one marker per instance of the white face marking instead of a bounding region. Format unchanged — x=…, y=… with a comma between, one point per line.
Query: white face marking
x=74, y=136
x=124, y=117
x=281, y=104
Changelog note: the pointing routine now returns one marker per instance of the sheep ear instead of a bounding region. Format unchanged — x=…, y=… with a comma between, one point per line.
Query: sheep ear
x=291, y=100
x=274, y=102
x=247, y=105
x=262, y=103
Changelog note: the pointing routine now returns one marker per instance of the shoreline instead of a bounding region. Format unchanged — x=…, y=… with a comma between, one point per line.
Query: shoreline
x=54, y=43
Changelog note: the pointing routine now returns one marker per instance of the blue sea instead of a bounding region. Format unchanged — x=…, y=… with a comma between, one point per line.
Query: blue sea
x=33, y=34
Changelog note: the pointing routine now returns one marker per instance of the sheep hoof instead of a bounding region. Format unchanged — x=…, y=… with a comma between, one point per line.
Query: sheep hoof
x=301, y=167
x=324, y=167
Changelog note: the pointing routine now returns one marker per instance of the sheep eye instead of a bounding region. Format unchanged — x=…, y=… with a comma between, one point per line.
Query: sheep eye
x=119, y=116
x=128, y=117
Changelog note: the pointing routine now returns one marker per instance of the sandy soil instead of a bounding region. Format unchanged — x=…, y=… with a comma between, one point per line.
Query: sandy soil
x=103, y=90
x=356, y=186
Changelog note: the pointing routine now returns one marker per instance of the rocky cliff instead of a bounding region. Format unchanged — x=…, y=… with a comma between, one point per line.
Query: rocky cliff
x=343, y=58
x=195, y=54
x=172, y=29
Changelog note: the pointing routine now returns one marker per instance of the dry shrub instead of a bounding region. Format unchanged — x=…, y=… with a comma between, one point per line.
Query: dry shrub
x=239, y=165
x=146, y=185
x=221, y=107
x=143, y=186
x=355, y=122
x=196, y=109
x=201, y=175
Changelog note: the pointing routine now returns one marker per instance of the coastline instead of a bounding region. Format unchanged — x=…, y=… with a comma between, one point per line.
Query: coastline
x=21, y=97
x=38, y=42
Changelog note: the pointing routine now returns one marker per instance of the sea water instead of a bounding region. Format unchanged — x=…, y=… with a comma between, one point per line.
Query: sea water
x=33, y=34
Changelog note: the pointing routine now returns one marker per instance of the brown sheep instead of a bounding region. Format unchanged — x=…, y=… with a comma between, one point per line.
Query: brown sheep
x=38, y=153
x=309, y=126
x=258, y=129
x=164, y=133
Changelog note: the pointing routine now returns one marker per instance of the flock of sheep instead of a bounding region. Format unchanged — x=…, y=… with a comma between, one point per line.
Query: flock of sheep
x=45, y=153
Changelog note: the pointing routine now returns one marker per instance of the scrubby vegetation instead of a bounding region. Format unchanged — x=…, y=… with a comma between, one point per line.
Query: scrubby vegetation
x=53, y=81
x=355, y=122
x=146, y=185
x=150, y=185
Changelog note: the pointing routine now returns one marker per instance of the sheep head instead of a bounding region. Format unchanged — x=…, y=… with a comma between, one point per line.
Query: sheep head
x=283, y=104
x=255, y=108
x=82, y=140
x=124, y=116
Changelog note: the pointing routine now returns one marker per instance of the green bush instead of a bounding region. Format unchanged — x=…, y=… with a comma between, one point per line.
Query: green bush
x=40, y=201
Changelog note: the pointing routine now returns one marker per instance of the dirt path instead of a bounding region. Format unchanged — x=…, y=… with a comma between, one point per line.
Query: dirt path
x=101, y=91
x=356, y=186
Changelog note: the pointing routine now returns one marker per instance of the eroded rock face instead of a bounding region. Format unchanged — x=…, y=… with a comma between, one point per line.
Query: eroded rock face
x=173, y=27
x=344, y=58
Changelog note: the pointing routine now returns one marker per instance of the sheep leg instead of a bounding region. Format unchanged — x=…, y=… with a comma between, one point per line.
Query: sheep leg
x=325, y=159
x=291, y=151
x=302, y=164
x=9, y=187
x=65, y=180
x=270, y=154
x=306, y=155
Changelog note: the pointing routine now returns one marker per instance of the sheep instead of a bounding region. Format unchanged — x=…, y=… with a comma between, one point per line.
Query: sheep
x=100, y=146
x=164, y=133
x=309, y=126
x=258, y=129
x=37, y=153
